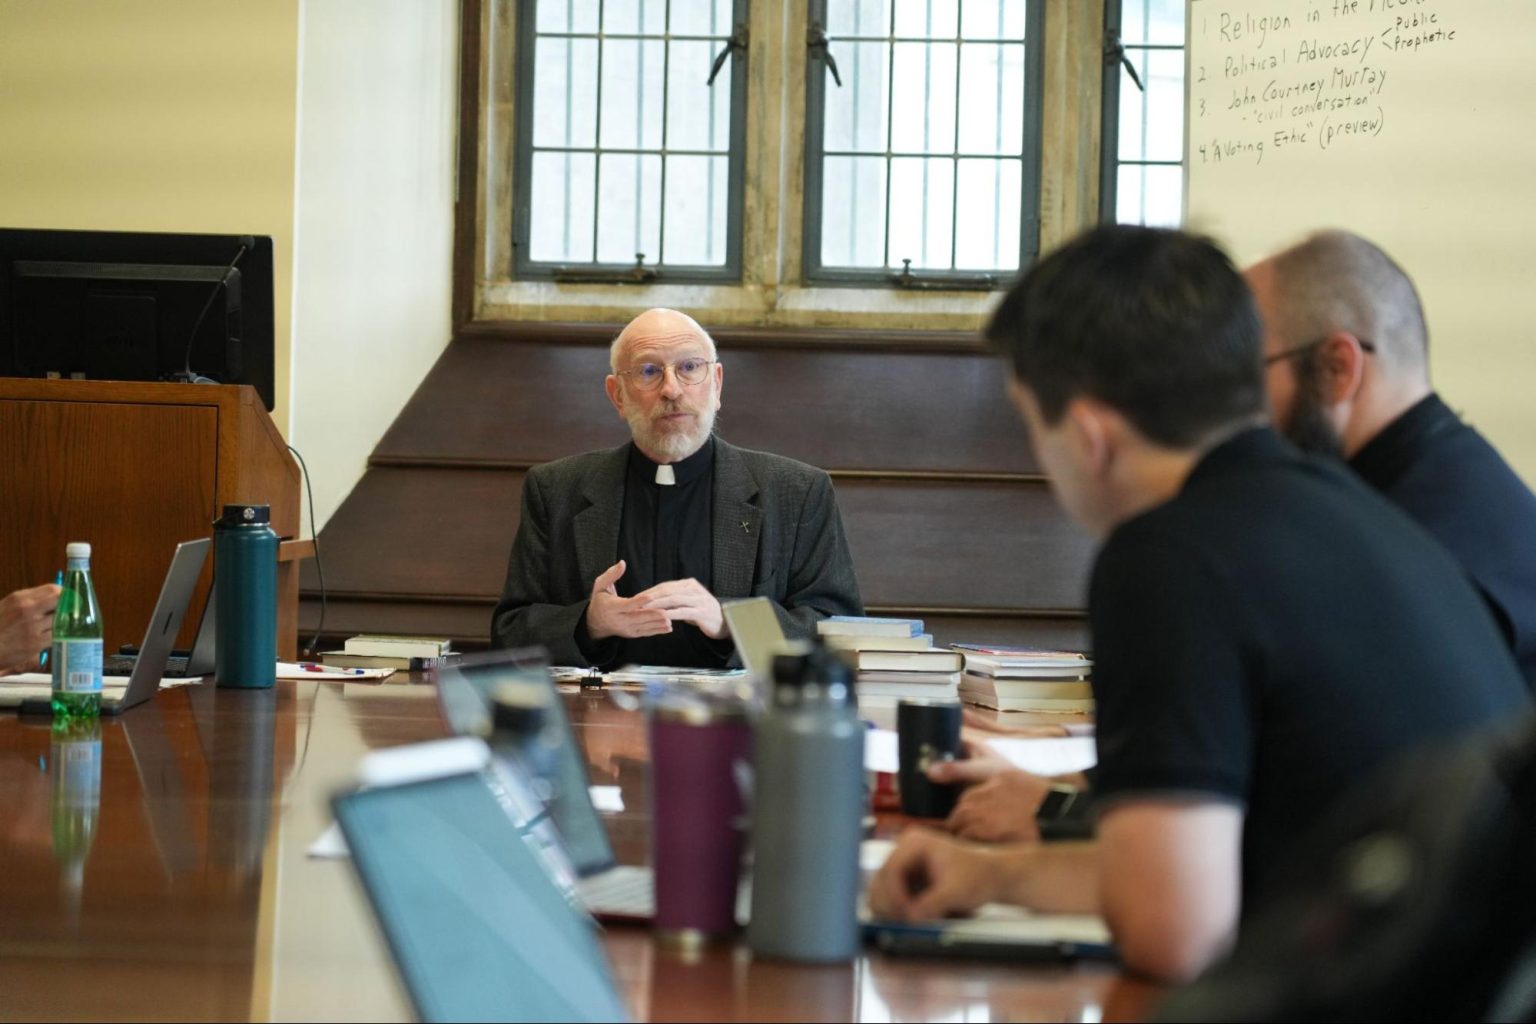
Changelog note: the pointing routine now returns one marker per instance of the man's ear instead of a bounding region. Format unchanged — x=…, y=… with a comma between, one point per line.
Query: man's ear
x=615, y=393
x=1092, y=433
x=719, y=369
x=1343, y=367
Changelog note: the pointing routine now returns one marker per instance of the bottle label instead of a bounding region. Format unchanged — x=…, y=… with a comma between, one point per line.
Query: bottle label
x=79, y=764
x=77, y=666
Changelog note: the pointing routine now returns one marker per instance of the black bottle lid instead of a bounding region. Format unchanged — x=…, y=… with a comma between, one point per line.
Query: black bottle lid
x=245, y=515
x=819, y=665
x=520, y=710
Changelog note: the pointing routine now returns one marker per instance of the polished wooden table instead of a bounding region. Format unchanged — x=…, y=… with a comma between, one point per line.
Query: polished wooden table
x=185, y=891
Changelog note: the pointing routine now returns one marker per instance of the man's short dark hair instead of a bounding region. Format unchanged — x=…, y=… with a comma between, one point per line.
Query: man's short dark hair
x=1157, y=324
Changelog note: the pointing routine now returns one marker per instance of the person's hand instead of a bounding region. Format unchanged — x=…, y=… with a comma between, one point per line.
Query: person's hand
x=687, y=601
x=930, y=875
x=978, y=762
x=1000, y=809
x=26, y=626
x=608, y=614
x=982, y=723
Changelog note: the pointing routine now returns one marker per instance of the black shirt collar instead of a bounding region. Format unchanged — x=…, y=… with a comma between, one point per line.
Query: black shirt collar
x=694, y=466
x=1248, y=445
x=1385, y=457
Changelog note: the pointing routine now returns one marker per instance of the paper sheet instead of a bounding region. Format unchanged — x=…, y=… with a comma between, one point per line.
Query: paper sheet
x=311, y=672
x=1055, y=755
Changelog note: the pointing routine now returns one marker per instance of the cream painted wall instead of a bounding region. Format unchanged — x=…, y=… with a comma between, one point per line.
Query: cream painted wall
x=373, y=225
x=156, y=115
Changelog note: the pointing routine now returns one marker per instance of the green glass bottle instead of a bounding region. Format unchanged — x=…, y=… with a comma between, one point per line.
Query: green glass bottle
x=76, y=656
x=76, y=769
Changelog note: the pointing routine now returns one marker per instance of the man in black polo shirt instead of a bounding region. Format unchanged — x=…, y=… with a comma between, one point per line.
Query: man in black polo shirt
x=1266, y=629
x=1346, y=352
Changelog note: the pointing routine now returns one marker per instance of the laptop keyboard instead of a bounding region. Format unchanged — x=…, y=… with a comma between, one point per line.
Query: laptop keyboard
x=620, y=892
x=122, y=665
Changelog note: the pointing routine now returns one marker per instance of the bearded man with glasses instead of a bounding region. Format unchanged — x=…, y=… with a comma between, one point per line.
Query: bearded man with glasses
x=1347, y=371
x=623, y=556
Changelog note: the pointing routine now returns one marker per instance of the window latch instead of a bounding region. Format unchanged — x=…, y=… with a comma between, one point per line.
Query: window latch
x=736, y=44
x=637, y=274
x=1114, y=53
x=941, y=282
x=817, y=43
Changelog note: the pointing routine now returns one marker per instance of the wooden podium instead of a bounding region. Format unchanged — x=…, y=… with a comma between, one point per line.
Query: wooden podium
x=134, y=469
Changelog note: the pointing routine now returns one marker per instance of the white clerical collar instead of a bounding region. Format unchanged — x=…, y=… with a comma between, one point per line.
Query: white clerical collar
x=665, y=477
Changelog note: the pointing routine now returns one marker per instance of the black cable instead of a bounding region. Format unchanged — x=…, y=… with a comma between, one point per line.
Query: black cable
x=314, y=642
x=246, y=244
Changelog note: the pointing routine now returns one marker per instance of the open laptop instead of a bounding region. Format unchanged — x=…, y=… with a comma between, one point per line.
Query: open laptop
x=476, y=921
x=34, y=691
x=758, y=637
x=181, y=664
x=464, y=692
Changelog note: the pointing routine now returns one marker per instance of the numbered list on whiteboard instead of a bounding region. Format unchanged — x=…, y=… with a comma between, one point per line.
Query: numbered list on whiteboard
x=1269, y=79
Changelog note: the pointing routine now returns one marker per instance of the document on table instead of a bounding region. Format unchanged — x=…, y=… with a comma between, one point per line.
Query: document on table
x=1052, y=755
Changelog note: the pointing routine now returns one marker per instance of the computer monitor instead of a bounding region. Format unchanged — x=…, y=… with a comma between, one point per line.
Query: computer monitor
x=114, y=305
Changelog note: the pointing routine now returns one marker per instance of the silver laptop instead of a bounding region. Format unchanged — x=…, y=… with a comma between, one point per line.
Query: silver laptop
x=610, y=891
x=462, y=887
x=758, y=636
x=120, y=693
x=181, y=664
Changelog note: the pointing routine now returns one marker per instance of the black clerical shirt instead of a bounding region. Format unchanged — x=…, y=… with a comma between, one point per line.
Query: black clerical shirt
x=1454, y=484
x=664, y=534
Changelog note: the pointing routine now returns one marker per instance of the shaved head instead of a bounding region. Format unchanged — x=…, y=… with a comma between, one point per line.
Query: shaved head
x=658, y=324
x=1338, y=281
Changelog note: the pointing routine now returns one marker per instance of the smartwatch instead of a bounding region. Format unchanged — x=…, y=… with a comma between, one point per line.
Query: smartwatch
x=1059, y=802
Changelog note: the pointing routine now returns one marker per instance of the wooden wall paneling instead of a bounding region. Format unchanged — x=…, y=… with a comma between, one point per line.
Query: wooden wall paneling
x=490, y=400
x=960, y=544
x=76, y=472
x=915, y=543
x=433, y=532
x=967, y=550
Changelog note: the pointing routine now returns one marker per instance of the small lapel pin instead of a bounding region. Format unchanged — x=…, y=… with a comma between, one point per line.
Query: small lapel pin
x=746, y=526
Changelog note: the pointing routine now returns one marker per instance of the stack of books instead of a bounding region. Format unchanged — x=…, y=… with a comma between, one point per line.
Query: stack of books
x=894, y=658
x=414, y=653
x=1025, y=678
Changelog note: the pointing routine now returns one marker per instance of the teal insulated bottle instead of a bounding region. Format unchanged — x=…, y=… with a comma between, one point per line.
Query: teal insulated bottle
x=245, y=585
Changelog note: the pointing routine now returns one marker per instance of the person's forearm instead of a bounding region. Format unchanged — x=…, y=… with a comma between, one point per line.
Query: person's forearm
x=1056, y=878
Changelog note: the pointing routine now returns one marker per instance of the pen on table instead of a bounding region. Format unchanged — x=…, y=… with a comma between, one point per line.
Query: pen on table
x=335, y=669
x=42, y=656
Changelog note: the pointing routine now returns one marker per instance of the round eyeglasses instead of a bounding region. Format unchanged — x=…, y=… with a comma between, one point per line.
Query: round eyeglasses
x=648, y=376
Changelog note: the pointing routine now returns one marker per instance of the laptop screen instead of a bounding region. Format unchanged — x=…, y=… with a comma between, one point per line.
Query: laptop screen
x=478, y=929
x=465, y=690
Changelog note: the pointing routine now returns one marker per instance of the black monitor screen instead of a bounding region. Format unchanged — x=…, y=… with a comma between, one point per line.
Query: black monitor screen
x=109, y=305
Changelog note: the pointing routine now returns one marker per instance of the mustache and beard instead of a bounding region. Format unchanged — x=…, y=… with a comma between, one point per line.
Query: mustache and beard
x=671, y=441
x=1308, y=426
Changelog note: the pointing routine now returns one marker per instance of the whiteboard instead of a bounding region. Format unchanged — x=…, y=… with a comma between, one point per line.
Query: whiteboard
x=1411, y=122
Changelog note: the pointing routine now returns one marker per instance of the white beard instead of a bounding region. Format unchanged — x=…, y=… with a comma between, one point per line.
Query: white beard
x=672, y=444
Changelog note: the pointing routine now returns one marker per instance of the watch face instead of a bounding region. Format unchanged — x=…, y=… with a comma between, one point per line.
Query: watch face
x=1057, y=800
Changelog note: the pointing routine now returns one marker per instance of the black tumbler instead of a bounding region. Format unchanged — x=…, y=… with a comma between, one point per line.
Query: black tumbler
x=926, y=733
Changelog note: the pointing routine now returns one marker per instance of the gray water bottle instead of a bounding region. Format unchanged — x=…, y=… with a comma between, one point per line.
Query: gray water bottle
x=807, y=812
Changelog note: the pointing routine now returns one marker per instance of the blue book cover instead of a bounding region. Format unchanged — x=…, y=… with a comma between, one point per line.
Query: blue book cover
x=869, y=625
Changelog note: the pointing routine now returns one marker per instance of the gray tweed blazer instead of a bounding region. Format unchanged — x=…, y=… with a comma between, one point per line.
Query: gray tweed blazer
x=776, y=533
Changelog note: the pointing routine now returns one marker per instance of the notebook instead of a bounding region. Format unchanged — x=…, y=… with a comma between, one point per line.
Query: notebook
x=478, y=927
x=34, y=691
